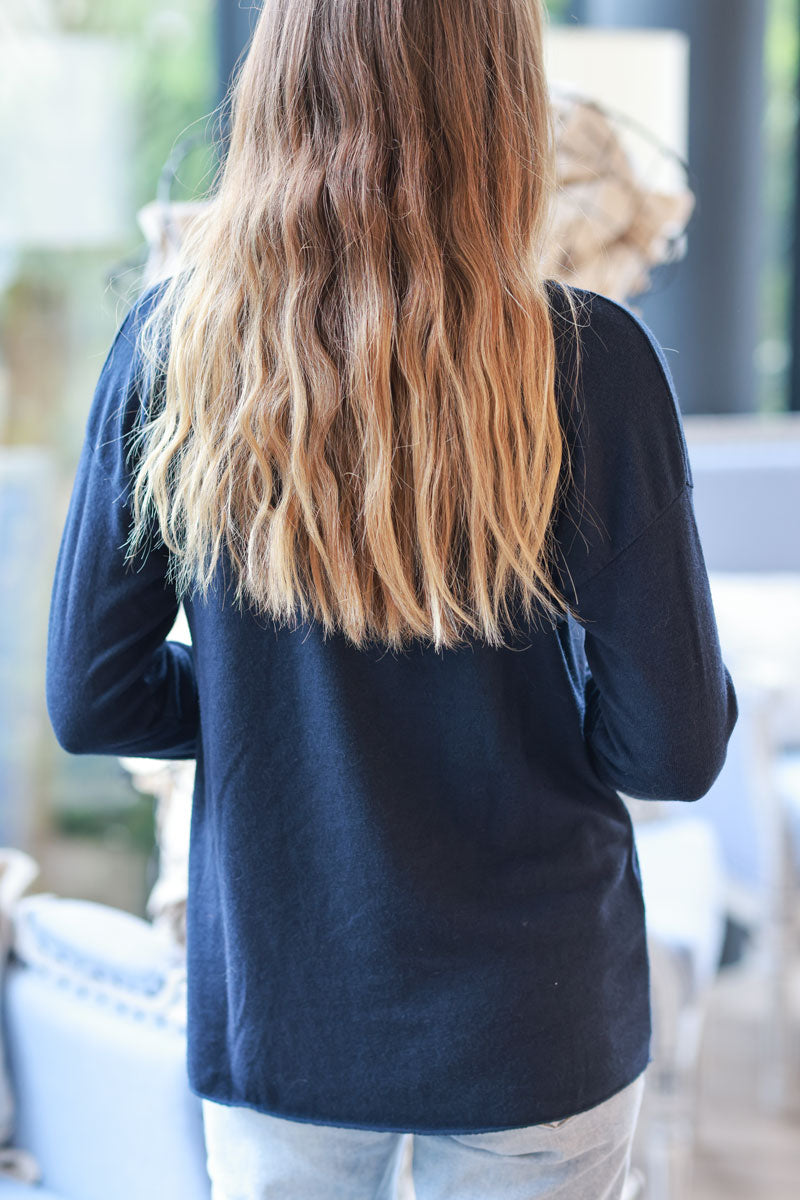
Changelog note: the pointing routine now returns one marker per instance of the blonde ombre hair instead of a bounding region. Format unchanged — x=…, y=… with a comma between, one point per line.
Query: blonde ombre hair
x=358, y=402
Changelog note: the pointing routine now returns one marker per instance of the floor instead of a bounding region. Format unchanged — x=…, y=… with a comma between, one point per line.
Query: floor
x=743, y=1151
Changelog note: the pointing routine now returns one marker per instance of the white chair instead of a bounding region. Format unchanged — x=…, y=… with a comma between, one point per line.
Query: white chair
x=684, y=894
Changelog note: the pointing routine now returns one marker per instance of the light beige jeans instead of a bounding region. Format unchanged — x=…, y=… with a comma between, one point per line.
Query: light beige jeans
x=254, y=1156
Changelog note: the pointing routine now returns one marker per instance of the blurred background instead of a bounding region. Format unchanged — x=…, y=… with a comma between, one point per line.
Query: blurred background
x=680, y=169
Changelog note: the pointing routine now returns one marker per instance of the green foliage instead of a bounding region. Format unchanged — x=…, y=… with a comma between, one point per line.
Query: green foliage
x=175, y=90
x=132, y=825
x=173, y=83
x=557, y=9
x=782, y=50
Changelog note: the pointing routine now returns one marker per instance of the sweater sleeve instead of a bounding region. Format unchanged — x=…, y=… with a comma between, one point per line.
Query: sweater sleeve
x=114, y=684
x=660, y=702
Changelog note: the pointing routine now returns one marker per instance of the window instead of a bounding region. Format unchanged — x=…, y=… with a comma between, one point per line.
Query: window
x=97, y=93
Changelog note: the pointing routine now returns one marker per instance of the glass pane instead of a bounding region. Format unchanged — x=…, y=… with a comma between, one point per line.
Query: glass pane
x=94, y=95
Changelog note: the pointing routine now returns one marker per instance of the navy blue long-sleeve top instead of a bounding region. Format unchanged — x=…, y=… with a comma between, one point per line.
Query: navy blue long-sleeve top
x=414, y=897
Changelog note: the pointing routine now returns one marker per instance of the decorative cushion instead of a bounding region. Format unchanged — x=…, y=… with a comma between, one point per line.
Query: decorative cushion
x=17, y=872
x=104, y=953
x=13, y=1190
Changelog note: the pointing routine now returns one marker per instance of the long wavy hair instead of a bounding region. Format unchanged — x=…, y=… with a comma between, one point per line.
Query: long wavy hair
x=358, y=364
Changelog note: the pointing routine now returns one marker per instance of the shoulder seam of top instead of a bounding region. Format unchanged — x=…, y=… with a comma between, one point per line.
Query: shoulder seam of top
x=686, y=488
x=642, y=326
